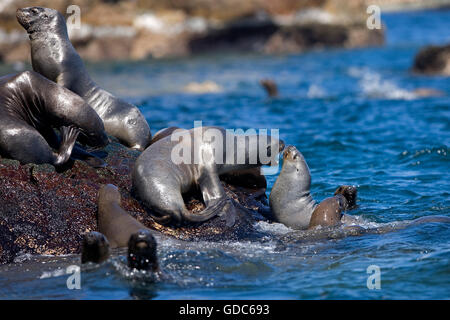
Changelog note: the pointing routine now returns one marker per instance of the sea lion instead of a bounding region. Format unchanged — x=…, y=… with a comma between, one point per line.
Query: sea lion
x=142, y=254
x=270, y=87
x=94, y=248
x=161, y=134
x=114, y=222
x=161, y=175
x=30, y=107
x=122, y=230
x=247, y=178
x=291, y=201
x=53, y=56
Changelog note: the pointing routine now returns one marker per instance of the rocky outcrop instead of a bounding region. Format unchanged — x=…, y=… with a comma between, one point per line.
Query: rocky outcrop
x=46, y=211
x=271, y=37
x=123, y=30
x=433, y=60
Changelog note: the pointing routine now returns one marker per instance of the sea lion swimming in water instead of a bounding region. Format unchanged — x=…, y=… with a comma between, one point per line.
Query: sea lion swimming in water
x=94, y=248
x=270, y=87
x=160, y=182
x=291, y=201
x=30, y=107
x=117, y=229
x=53, y=56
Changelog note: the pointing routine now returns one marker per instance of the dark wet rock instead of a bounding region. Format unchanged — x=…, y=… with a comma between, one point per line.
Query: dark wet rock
x=433, y=60
x=264, y=35
x=44, y=210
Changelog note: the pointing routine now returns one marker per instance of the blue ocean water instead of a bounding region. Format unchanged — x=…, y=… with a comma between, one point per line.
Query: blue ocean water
x=357, y=120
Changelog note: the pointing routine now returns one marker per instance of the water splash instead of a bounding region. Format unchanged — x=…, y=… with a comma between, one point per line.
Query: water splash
x=374, y=86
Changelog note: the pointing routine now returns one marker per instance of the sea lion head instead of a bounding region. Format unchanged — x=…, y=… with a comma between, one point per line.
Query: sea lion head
x=35, y=19
x=142, y=251
x=293, y=160
x=109, y=193
x=94, y=137
x=349, y=193
x=135, y=130
x=94, y=248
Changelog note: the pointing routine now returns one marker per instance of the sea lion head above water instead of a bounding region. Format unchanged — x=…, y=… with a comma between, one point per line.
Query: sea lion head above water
x=350, y=193
x=94, y=248
x=291, y=200
x=142, y=254
x=294, y=163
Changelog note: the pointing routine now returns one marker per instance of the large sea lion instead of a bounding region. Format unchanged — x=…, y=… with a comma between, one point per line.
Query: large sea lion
x=53, y=56
x=160, y=178
x=291, y=201
x=30, y=107
x=247, y=178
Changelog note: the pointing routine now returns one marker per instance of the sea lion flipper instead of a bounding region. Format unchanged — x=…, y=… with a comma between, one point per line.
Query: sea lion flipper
x=214, y=197
x=208, y=213
x=98, y=153
x=329, y=212
x=95, y=162
x=91, y=159
x=229, y=214
x=69, y=137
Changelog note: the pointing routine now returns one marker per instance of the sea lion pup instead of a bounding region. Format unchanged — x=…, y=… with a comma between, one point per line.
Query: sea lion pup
x=270, y=87
x=122, y=230
x=30, y=107
x=94, y=248
x=53, y=56
x=193, y=158
x=291, y=201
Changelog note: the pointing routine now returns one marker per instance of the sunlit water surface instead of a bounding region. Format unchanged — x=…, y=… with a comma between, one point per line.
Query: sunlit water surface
x=355, y=117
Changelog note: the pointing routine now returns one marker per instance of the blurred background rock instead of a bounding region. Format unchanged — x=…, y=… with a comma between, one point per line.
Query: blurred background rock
x=138, y=29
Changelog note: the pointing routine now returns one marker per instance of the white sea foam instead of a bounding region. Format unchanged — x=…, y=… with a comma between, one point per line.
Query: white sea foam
x=54, y=273
x=315, y=91
x=374, y=86
x=273, y=228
